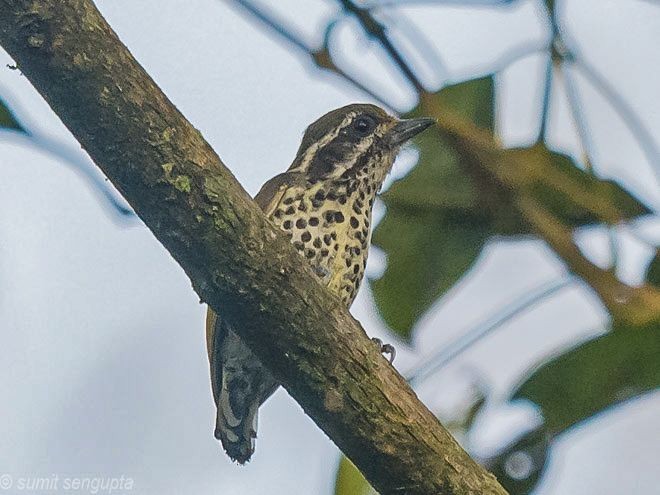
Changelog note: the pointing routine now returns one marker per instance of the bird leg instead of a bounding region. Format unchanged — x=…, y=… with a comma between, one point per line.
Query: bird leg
x=385, y=348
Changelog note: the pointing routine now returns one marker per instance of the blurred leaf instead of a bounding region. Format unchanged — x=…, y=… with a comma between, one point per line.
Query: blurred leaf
x=432, y=232
x=520, y=465
x=440, y=215
x=573, y=387
x=349, y=480
x=594, y=376
x=426, y=256
x=574, y=196
x=7, y=120
x=653, y=271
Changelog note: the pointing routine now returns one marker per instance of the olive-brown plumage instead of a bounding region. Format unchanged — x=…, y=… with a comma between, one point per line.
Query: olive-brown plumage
x=324, y=202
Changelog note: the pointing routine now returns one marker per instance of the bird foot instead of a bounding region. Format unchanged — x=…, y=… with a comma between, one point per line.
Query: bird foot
x=385, y=348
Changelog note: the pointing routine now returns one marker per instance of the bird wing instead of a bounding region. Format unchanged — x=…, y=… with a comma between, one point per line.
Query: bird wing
x=239, y=382
x=267, y=198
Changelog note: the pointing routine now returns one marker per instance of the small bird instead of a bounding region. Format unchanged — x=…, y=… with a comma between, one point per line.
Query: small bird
x=324, y=203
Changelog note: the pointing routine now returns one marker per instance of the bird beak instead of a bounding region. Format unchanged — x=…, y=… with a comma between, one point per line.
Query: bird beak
x=406, y=129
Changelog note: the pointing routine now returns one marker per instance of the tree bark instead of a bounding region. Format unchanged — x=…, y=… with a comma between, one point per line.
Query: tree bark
x=237, y=261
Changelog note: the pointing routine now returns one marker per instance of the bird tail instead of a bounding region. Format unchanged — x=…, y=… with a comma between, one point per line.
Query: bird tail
x=240, y=385
x=236, y=426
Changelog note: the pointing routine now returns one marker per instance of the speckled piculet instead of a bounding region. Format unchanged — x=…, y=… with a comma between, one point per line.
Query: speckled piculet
x=324, y=203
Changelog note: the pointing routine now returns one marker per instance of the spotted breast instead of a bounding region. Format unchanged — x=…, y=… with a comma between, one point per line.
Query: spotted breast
x=330, y=227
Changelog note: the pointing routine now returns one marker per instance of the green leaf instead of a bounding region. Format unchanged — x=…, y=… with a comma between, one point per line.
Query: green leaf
x=7, y=120
x=426, y=256
x=594, y=376
x=433, y=230
x=349, y=480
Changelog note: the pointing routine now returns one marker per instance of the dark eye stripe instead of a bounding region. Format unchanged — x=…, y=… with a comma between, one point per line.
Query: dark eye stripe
x=339, y=150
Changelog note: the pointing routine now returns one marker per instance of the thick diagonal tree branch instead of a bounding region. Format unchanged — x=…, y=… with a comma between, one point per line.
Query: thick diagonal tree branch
x=237, y=261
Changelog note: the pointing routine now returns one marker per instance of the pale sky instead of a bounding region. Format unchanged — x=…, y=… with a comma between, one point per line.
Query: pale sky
x=105, y=370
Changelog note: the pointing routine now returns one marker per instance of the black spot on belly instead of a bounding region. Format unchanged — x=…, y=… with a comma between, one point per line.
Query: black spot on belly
x=356, y=268
x=354, y=223
x=288, y=201
x=306, y=236
x=327, y=239
x=298, y=245
x=287, y=224
x=339, y=217
x=290, y=210
x=301, y=223
x=324, y=253
x=310, y=253
x=313, y=221
x=317, y=242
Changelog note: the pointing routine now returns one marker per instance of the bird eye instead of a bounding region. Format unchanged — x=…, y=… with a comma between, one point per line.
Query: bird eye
x=364, y=124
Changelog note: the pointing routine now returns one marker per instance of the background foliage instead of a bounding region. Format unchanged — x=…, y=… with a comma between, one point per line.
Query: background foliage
x=467, y=190
x=440, y=216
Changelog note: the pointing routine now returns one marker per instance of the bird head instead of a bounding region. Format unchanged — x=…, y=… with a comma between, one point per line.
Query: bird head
x=352, y=142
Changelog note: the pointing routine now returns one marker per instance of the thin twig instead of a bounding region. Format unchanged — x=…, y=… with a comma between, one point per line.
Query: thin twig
x=449, y=352
x=577, y=113
x=275, y=24
x=457, y=3
x=564, y=49
x=516, y=53
x=635, y=306
x=378, y=31
x=624, y=110
x=321, y=57
x=545, y=102
x=580, y=121
x=421, y=43
x=75, y=159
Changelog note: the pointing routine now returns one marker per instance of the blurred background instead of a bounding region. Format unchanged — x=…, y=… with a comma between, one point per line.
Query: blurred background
x=105, y=371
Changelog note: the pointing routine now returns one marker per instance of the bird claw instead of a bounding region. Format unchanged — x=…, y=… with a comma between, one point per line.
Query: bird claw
x=385, y=348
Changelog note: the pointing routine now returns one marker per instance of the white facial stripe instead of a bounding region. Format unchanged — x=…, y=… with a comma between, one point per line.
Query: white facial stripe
x=311, y=151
